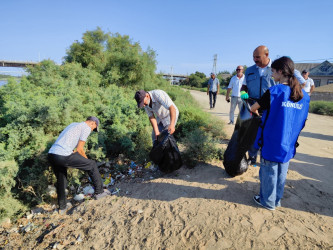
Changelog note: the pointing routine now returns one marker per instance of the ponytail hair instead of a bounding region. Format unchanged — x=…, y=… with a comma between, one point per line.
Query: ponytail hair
x=286, y=65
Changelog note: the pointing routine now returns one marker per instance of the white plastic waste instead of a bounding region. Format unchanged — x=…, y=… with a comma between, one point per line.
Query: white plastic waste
x=79, y=197
x=88, y=190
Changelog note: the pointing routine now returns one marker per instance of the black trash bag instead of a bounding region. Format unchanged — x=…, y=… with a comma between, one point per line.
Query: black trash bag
x=165, y=153
x=247, y=124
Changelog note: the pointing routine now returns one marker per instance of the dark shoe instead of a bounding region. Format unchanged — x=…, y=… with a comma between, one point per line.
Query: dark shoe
x=252, y=160
x=102, y=195
x=64, y=211
x=230, y=123
x=256, y=199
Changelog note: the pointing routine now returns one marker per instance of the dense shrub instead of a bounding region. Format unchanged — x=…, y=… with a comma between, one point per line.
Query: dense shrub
x=321, y=107
x=199, y=147
x=8, y=206
x=99, y=78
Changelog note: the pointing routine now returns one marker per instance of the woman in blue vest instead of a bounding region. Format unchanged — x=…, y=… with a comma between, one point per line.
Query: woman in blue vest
x=286, y=108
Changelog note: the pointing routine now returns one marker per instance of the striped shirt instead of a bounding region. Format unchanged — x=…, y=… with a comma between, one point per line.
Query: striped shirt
x=161, y=103
x=69, y=138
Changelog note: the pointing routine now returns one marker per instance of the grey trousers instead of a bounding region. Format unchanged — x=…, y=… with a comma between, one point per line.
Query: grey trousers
x=234, y=101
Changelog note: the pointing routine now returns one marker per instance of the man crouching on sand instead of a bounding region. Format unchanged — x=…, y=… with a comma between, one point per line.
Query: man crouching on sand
x=61, y=156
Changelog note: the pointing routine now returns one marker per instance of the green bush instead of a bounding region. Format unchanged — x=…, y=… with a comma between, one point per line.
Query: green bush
x=9, y=206
x=321, y=107
x=199, y=147
x=99, y=78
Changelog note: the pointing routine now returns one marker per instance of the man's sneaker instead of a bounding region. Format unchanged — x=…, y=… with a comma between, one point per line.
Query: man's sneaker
x=231, y=123
x=64, y=211
x=256, y=199
x=102, y=195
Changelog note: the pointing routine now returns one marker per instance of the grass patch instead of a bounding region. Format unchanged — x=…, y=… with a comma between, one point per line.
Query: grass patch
x=321, y=108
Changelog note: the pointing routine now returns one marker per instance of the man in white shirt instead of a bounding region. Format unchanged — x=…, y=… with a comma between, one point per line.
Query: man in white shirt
x=308, y=86
x=162, y=112
x=235, y=85
x=62, y=156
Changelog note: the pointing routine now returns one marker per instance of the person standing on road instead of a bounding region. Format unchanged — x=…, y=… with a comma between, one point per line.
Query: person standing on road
x=285, y=109
x=235, y=85
x=309, y=84
x=213, y=89
x=62, y=156
x=258, y=79
x=162, y=112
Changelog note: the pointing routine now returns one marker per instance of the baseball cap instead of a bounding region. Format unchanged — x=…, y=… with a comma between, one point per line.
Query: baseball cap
x=95, y=119
x=305, y=71
x=212, y=73
x=140, y=97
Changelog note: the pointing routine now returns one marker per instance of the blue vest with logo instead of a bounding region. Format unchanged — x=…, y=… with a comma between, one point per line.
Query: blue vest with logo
x=256, y=84
x=281, y=125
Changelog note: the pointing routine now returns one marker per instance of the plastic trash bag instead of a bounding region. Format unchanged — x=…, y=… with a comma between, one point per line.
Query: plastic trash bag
x=165, y=153
x=234, y=160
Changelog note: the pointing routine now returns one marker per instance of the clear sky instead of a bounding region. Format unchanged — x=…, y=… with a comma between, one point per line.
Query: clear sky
x=184, y=33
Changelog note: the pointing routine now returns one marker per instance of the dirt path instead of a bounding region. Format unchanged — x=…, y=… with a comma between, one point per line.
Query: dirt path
x=314, y=157
x=203, y=208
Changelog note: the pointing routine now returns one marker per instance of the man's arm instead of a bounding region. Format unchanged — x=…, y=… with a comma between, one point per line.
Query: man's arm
x=244, y=88
x=80, y=148
x=299, y=77
x=173, y=113
x=208, y=86
x=228, y=93
x=312, y=88
x=153, y=122
x=254, y=108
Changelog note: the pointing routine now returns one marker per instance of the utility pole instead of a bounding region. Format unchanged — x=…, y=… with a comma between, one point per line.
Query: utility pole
x=214, y=64
x=171, y=76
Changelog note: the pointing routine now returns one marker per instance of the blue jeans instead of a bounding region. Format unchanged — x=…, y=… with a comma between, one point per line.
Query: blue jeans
x=212, y=98
x=272, y=177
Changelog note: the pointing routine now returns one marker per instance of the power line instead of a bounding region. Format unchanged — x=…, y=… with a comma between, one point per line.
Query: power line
x=314, y=60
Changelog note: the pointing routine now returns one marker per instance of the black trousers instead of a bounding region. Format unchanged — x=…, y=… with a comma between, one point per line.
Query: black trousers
x=60, y=164
x=212, y=99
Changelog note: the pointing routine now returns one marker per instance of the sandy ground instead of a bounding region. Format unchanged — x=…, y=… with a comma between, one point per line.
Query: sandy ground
x=204, y=208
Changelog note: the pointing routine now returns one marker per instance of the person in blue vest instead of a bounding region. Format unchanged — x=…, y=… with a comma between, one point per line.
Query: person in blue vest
x=258, y=78
x=285, y=109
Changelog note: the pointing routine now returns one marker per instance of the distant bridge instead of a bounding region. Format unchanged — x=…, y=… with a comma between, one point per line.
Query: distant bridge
x=175, y=75
x=19, y=64
x=174, y=78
